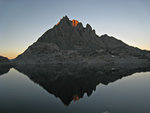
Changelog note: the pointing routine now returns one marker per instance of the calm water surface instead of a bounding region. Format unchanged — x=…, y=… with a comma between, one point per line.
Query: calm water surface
x=19, y=94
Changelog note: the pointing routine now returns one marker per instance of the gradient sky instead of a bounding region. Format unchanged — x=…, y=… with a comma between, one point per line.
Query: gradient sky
x=22, y=22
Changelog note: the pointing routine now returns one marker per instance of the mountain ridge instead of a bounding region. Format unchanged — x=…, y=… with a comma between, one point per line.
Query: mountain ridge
x=69, y=42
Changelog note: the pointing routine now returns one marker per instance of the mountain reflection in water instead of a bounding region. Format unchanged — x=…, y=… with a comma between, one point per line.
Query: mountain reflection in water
x=70, y=83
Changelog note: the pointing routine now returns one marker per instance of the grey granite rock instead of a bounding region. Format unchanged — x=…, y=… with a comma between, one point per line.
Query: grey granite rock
x=69, y=42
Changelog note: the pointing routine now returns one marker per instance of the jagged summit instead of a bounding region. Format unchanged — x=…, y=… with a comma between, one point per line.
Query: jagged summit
x=71, y=53
x=71, y=35
x=74, y=23
x=65, y=21
x=65, y=18
x=69, y=41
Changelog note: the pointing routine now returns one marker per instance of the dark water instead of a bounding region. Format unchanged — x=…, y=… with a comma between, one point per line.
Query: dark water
x=28, y=94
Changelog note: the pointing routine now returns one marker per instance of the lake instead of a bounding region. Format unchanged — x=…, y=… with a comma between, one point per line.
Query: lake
x=20, y=93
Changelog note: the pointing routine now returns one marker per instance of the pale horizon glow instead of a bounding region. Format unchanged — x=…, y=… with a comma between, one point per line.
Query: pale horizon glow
x=23, y=22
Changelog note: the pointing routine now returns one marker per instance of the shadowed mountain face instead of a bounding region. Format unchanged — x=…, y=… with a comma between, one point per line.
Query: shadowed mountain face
x=4, y=65
x=71, y=82
x=3, y=59
x=71, y=35
x=70, y=60
x=70, y=42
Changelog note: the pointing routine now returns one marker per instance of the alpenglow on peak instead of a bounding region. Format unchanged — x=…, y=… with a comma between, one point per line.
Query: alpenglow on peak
x=74, y=22
x=69, y=42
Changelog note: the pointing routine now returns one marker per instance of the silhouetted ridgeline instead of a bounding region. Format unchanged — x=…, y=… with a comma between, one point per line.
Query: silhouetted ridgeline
x=70, y=60
x=4, y=65
x=69, y=42
x=3, y=59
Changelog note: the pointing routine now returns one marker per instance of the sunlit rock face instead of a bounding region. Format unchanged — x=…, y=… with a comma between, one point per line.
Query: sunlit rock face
x=71, y=42
x=74, y=23
x=57, y=24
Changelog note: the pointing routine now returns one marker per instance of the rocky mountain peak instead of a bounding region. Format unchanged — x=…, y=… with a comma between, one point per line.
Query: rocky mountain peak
x=65, y=18
x=65, y=21
x=70, y=41
x=88, y=27
x=66, y=24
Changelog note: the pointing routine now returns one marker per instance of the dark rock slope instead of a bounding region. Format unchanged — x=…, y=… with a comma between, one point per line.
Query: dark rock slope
x=4, y=65
x=3, y=59
x=70, y=42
